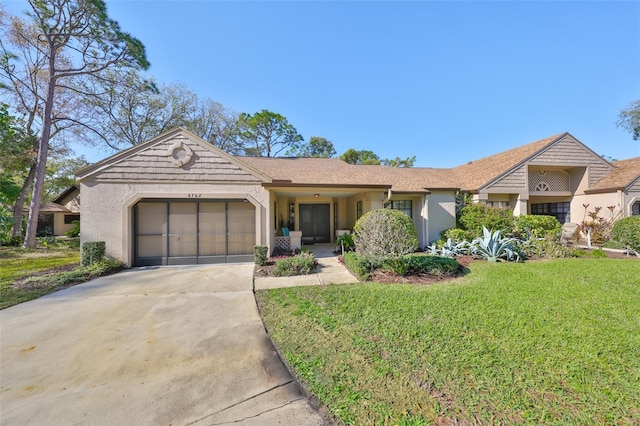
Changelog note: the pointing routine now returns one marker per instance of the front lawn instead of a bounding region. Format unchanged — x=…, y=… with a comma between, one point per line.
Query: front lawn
x=29, y=274
x=550, y=342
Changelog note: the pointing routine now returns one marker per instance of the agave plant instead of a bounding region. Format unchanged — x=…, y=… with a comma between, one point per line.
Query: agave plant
x=450, y=249
x=492, y=246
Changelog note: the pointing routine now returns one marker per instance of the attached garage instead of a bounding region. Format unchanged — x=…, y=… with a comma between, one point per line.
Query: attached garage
x=174, y=200
x=182, y=232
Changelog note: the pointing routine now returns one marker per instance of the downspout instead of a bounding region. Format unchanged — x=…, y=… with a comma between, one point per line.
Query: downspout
x=386, y=200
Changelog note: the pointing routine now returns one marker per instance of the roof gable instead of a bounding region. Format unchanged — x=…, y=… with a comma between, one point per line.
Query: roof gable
x=562, y=149
x=177, y=155
x=624, y=174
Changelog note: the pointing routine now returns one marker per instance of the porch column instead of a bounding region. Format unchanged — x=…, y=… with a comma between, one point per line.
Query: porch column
x=520, y=209
x=424, y=215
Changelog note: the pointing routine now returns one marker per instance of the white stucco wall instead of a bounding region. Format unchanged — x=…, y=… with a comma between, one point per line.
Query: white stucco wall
x=107, y=213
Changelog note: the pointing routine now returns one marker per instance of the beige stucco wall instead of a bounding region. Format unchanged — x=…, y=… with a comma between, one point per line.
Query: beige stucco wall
x=107, y=213
x=605, y=200
x=59, y=227
x=441, y=214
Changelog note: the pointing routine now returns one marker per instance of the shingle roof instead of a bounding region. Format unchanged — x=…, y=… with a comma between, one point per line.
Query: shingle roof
x=333, y=171
x=51, y=208
x=625, y=172
x=477, y=173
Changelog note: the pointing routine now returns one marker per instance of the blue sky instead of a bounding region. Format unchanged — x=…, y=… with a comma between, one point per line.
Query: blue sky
x=447, y=82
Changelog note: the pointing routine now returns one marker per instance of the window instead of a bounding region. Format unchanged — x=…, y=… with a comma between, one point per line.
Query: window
x=69, y=218
x=402, y=205
x=498, y=204
x=560, y=211
x=358, y=209
x=635, y=209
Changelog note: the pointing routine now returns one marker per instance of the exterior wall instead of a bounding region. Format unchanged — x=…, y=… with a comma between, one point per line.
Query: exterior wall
x=631, y=196
x=59, y=227
x=516, y=181
x=441, y=214
x=107, y=213
x=605, y=200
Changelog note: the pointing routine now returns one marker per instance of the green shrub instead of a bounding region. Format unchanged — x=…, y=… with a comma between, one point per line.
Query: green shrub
x=92, y=252
x=457, y=235
x=75, y=231
x=397, y=265
x=432, y=265
x=537, y=226
x=474, y=216
x=300, y=264
x=384, y=234
x=626, y=231
x=546, y=248
x=599, y=253
x=260, y=255
x=358, y=265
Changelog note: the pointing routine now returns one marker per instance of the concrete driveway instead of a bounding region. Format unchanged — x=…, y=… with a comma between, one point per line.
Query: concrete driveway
x=163, y=346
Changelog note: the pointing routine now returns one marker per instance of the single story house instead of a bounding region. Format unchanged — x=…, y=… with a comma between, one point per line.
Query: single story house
x=177, y=199
x=56, y=217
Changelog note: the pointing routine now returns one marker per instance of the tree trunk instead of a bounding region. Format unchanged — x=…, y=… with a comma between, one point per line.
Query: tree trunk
x=43, y=151
x=16, y=228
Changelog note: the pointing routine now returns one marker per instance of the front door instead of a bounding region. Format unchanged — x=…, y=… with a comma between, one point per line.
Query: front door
x=315, y=223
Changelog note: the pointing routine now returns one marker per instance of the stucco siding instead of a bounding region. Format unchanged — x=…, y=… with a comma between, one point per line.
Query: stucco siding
x=107, y=209
x=155, y=163
x=441, y=214
x=514, y=181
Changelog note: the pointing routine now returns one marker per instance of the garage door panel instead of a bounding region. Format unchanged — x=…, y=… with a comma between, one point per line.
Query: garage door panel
x=183, y=218
x=183, y=245
x=213, y=245
x=178, y=232
x=155, y=218
x=152, y=246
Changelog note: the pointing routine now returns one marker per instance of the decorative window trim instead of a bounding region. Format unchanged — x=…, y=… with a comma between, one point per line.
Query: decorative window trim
x=174, y=153
x=542, y=187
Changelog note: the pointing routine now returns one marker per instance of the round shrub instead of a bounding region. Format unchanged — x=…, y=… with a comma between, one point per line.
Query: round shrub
x=456, y=234
x=538, y=226
x=474, y=216
x=626, y=231
x=384, y=234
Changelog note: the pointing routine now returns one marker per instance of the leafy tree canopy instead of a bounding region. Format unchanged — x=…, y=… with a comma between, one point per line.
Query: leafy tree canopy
x=267, y=134
x=317, y=147
x=629, y=119
x=353, y=156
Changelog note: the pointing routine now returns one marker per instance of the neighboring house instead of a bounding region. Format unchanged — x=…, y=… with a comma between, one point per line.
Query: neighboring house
x=555, y=176
x=177, y=199
x=56, y=217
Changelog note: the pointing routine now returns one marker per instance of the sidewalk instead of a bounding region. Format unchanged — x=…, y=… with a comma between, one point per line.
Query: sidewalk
x=329, y=271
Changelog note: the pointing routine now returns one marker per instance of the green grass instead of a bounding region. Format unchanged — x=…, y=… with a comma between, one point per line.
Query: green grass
x=29, y=274
x=554, y=342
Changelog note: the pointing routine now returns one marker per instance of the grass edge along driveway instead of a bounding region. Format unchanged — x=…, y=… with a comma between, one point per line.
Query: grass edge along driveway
x=553, y=342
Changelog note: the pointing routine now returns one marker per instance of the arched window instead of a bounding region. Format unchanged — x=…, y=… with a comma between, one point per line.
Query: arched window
x=542, y=186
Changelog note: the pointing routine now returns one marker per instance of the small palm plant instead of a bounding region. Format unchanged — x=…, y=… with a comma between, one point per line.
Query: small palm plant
x=493, y=247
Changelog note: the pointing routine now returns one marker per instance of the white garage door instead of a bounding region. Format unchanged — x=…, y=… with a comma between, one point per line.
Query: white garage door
x=182, y=232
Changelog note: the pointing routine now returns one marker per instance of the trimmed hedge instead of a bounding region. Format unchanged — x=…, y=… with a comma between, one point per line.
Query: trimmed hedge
x=358, y=265
x=474, y=216
x=537, y=225
x=431, y=265
x=92, y=252
x=626, y=231
x=301, y=264
x=260, y=255
x=385, y=233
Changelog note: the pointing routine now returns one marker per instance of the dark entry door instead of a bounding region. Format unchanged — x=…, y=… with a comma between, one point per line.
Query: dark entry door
x=315, y=223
